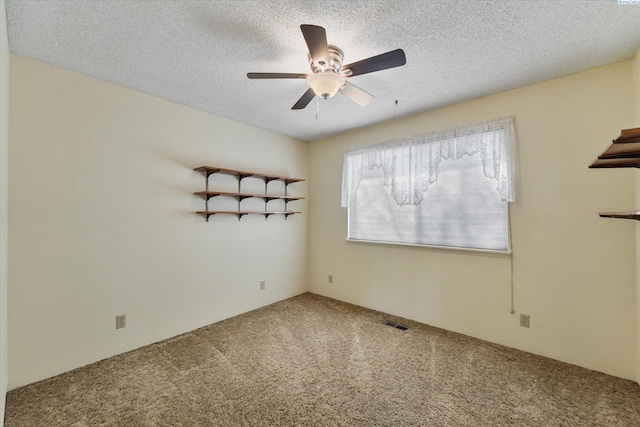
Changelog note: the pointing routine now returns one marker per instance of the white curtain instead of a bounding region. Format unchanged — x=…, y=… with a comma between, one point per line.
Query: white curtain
x=410, y=165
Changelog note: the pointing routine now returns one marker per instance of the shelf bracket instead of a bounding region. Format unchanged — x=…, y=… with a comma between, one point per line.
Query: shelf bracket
x=206, y=215
x=206, y=189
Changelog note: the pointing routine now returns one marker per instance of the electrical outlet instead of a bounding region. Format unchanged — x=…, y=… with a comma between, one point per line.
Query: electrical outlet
x=525, y=320
x=121, y=321
x=263, y=285
x=330, y=278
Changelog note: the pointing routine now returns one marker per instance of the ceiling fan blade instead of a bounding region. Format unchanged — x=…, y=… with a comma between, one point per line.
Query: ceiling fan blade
x=384, y=61
x=316, y=38
x=356, y=94
x=305, y=100
x=276, y=76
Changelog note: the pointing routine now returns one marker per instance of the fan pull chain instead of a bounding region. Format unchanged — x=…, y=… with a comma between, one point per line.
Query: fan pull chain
x=317, y=107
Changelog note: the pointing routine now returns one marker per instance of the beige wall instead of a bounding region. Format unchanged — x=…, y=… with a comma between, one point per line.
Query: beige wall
x=102, y=221
x=4, y=187
x=574, y=273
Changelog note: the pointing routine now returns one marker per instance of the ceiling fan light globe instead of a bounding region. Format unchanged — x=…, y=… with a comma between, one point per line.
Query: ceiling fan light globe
x=325, y=85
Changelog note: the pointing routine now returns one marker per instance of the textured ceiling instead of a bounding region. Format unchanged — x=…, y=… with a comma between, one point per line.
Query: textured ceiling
x=197, y=53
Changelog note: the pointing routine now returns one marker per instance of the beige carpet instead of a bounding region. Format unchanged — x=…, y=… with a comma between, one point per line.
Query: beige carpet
x=313, y=361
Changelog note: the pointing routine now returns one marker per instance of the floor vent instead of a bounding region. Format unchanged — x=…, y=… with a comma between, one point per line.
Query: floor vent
x=395, y=325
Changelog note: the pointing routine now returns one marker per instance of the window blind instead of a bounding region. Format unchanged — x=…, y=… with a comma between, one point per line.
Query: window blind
x=448, y=188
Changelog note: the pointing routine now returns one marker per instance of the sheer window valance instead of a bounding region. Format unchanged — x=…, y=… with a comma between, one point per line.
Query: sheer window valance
x=410, y=165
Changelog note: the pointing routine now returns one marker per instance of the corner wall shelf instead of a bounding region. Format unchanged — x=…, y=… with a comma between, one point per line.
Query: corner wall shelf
x=624, y=152
x=240, y=195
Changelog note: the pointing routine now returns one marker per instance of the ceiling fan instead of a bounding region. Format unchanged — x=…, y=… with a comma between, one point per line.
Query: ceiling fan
x=329, y=75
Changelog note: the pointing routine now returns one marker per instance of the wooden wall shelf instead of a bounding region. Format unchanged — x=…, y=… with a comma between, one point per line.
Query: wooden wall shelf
x=621, y=215
x=240, y=195
x=208, y=170
x=240, y=214
x=624, y=152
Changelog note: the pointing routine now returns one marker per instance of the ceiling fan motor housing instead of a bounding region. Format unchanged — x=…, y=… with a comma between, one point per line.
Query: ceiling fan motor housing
x=335, y=61
x=325, y=80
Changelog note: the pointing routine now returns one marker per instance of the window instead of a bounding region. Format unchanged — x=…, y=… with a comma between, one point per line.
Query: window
x=447, y=189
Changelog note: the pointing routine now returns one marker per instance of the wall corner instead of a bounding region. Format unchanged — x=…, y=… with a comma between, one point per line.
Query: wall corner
x=636, y=94
x=4, y=165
